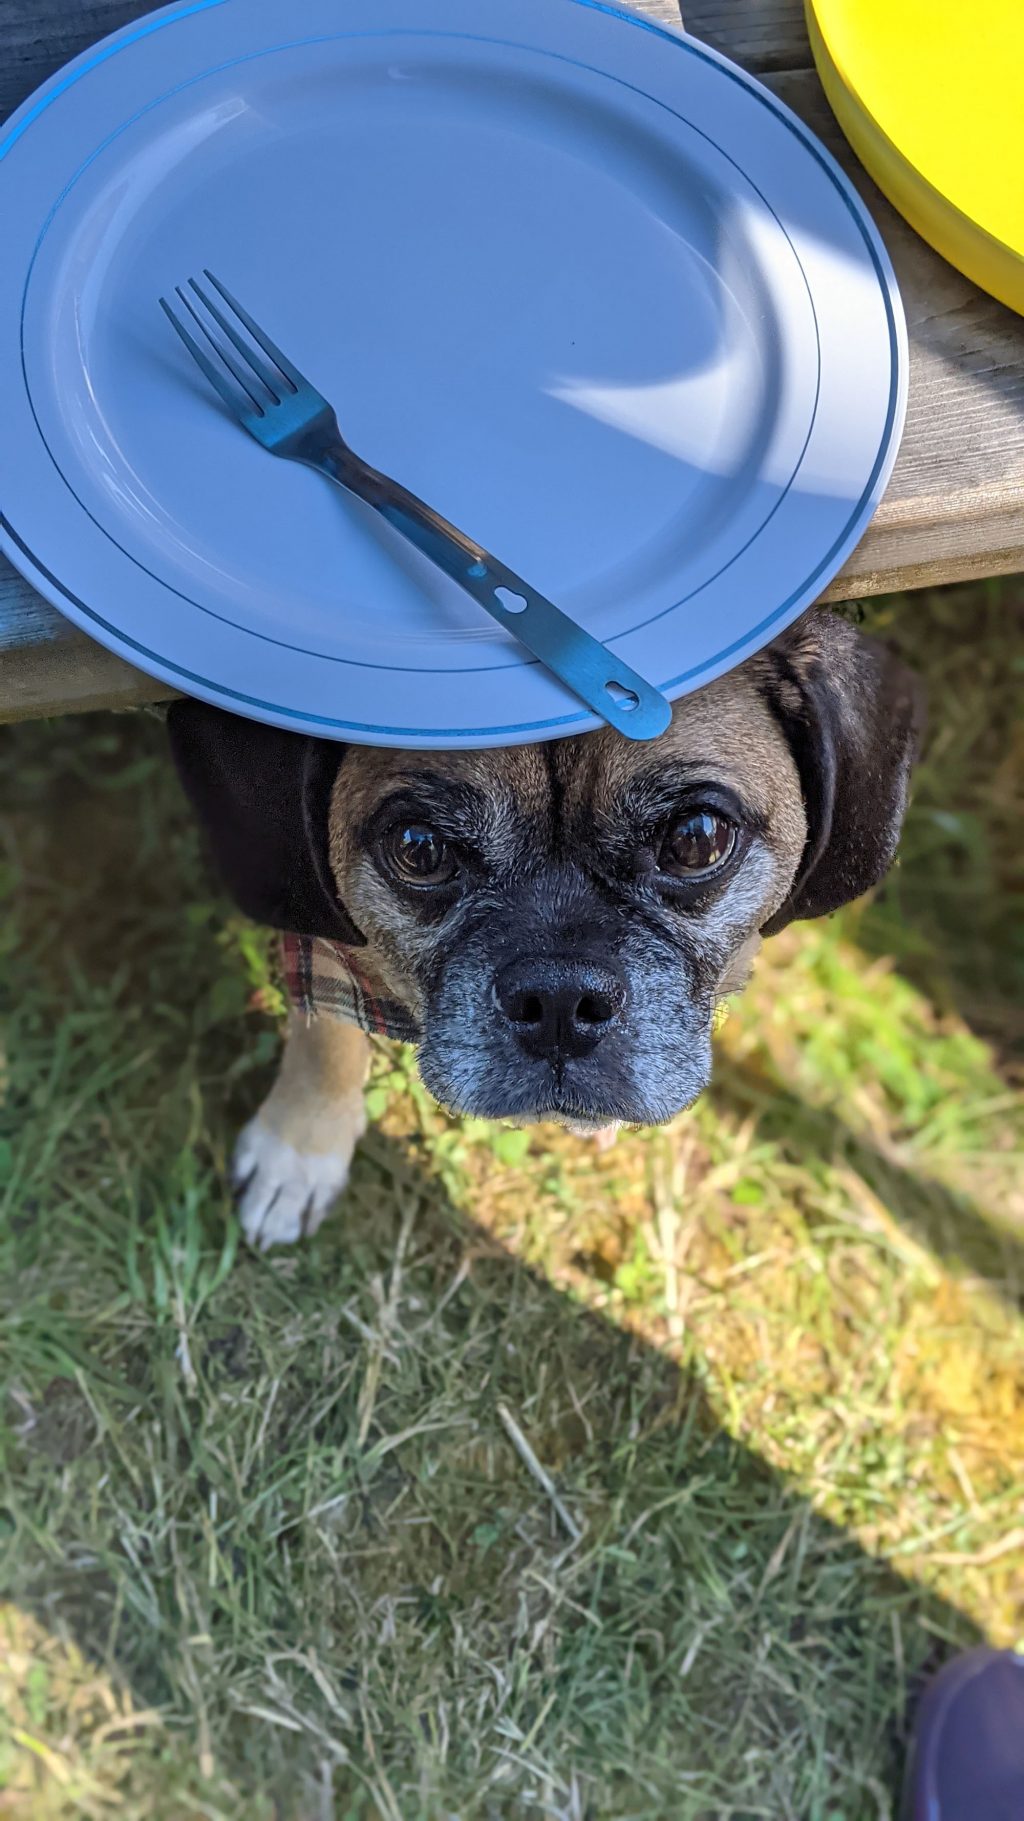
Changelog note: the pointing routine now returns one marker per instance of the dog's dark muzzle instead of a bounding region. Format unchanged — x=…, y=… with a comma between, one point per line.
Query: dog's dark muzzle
x=559, y=1009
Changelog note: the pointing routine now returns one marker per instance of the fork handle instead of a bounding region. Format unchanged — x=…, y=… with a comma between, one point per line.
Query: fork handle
x=611, y=688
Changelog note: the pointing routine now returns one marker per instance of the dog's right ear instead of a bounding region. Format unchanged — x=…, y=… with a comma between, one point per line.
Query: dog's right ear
x=262, y=796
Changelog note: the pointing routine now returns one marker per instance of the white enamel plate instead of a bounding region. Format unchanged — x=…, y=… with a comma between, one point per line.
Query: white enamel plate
x=584, y=286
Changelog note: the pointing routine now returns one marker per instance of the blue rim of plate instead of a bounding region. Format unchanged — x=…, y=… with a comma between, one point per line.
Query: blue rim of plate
x=584, y=720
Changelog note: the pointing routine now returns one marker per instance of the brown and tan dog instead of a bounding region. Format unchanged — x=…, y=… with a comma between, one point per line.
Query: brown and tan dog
x=559, y=920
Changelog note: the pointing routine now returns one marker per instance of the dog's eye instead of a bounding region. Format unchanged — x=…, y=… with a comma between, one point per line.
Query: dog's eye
x=419, y=855
x=697, y=843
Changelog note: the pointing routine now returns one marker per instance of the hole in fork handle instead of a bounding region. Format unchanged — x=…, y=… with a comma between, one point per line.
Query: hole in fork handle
x=512, y=602
x=625, y=700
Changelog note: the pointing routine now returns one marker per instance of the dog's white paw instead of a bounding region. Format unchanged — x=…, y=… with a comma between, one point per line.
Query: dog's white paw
x=284, y=1194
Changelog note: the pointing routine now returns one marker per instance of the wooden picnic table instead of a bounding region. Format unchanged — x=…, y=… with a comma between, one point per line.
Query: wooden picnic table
x=954, y=508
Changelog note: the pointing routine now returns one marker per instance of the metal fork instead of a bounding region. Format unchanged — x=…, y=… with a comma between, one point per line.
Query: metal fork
x=286, y=413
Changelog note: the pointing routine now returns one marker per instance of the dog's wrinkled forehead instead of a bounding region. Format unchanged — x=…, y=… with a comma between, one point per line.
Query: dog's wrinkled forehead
x=525, y=805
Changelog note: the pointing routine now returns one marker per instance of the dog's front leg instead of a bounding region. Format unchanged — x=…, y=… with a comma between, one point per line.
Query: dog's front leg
x=292, y=1161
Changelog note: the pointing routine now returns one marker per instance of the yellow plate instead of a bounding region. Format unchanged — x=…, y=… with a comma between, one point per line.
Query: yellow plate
x=930, y=94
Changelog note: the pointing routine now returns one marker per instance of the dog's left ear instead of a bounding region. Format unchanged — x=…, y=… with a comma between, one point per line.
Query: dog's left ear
x=853, y=716
x=263, y=798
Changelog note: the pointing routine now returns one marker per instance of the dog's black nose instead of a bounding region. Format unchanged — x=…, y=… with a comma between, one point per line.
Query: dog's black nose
x=560, y=1008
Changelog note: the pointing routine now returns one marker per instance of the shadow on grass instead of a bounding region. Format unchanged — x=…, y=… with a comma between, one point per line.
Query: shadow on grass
x=316, y=1548
x=945, y=1222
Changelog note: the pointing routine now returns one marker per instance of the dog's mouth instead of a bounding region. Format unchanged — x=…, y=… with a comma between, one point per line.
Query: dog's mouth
x=567, y=1105
x=582, y=1099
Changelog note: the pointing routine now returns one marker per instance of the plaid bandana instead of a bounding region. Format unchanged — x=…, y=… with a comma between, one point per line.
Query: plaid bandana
x=324, y=978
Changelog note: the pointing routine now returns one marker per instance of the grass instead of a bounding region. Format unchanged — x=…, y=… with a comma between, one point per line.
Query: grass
x=267, y=1545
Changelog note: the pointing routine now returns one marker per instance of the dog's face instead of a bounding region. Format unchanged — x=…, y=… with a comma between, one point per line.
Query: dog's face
x=560, y=920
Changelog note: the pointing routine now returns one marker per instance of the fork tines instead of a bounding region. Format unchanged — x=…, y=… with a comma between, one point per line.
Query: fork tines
x=279, y=384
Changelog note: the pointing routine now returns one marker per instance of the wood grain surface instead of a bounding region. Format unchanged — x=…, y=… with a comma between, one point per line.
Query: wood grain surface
x=954, y=508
